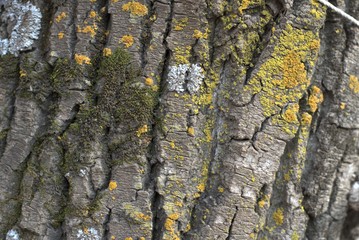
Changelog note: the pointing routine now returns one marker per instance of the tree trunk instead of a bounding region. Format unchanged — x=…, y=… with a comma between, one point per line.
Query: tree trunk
x=196, y=119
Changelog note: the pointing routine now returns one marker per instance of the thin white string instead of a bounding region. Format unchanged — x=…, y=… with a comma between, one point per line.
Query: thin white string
x=341, y=12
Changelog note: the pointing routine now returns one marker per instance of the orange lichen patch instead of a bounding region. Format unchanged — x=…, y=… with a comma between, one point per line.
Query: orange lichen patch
x=306, y=119
x=278, y=216
x=342, y=106
x=112, y=185
x=244, y=5
x=107, y=52
x=315, y=98
x=290, y=114
x=149, y=81
x=135, y=8
x=354, y=83
x=143, y=217
x=282, y=78
x=60, y=35
x=190, y=131
x=294, y=73
x=88, y=29
x=127, y=40
x=92, y=14
x=142, y=130
x=60, y=17
x=82, y=59
x=86, y=230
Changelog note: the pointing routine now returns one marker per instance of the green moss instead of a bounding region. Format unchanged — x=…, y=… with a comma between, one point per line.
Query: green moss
x=65, y=72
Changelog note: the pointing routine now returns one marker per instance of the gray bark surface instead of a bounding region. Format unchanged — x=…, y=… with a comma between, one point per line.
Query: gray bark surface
x=186, y=119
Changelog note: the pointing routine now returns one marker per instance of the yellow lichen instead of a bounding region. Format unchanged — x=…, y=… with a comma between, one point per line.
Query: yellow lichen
x=135, y=8
x=112, y=185
x=197, y=34
x=261, y=203
x=244, y=5
x=86, y=230
x=354, y=83
x=149, y=81
x=290, y=114
x=113, y=237
x=278, y=216
x=60, y=35
x=22, y=73
x=115, y=1
x=142, y=238
x=180, y=24
x=342, y=106
x=107, y=52
x=282, y=78
x=293, y=71
x=287, y=176
x=92, y=14
x=128, y=238
x=182, y=54
x=128, y=40
x=315, y=98
x=220, y=189
x=295, y=236
x=60, y=17
x=142, y=130
x=190, y=131
x=201, y=187
x=82, y=59
x=306, y=119
x=318, y=10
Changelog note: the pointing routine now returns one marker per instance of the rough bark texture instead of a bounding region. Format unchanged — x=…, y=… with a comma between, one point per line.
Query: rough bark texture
x=186, y=119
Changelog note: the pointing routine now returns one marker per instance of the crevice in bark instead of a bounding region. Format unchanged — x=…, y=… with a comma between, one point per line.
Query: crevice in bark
x=146, y=34
x=11, y=109
x=72, y=24
x=158, y=216
x=265, y=37
x=231, y=226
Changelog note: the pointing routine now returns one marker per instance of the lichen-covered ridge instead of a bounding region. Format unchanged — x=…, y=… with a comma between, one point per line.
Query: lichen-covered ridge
x=209, y=119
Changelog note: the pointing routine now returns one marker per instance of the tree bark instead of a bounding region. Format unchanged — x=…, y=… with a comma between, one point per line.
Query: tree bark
x=205, y=119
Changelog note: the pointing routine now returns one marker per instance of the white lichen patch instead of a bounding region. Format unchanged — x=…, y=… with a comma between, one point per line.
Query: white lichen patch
x=195, y=78
x=88, y=234
x=185, y=76
x=20, y=25
x=12, y=235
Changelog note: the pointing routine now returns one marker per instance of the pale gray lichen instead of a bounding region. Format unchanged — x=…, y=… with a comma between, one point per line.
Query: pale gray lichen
x=177, y=77
x=12, y=235
x=195, y=78
x=185, y=75
x=88, y=234
x=19, y=27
